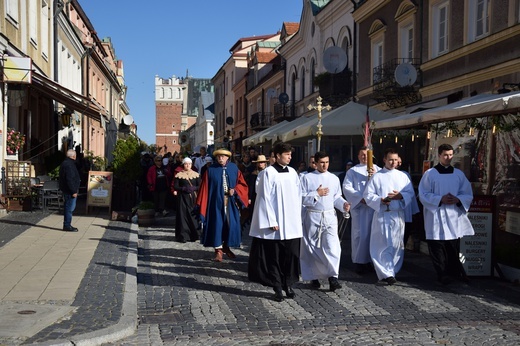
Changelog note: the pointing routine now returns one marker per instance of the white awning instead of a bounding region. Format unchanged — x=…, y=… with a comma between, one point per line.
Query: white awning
x=346, y=120
x=256, y=138
x=479, y=105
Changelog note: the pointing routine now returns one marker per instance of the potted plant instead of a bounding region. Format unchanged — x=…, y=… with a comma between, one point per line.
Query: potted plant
x=145, y=214
x=14, y=141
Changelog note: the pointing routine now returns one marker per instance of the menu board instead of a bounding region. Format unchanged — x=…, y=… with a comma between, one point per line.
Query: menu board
x=476, y=250
x=99, y=189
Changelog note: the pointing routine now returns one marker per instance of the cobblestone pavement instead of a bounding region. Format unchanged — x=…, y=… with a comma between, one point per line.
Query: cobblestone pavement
x=184, y=298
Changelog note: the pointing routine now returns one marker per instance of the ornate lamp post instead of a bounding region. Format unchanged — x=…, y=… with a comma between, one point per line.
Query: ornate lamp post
x=319, y=108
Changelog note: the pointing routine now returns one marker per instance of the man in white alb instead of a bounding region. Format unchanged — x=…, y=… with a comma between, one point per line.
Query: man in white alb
x=388, y=192
x=353, y=187
x=276, y=226
x=320, y=252
x=446, y=195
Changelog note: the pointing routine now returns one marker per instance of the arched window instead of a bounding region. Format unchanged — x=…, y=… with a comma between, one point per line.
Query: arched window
x=293, y=92
x=302, y=82
x=312, y=74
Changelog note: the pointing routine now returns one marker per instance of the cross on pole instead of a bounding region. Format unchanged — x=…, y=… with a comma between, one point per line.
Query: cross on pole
x=319, y=108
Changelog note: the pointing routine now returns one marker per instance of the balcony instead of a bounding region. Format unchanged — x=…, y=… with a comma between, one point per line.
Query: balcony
x=284, y=111
x=261, y=120
x=386, y=88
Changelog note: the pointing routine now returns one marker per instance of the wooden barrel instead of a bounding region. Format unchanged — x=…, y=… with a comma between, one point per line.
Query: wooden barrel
x=145, y=217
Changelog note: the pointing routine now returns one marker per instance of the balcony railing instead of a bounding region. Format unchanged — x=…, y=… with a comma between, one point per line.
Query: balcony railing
x=261, y=120
x=284, y=111
x=387, y=89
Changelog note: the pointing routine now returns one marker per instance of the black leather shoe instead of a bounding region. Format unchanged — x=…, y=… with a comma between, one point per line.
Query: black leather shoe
x=334, y=284
x=70, y=229
x=278, y=296
x=315, y=284
x=390, y=280
x=289, y=292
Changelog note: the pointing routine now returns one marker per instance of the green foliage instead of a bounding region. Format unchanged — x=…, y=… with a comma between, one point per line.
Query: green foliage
x=126, y=163
x=52, y=164
x=97, y=163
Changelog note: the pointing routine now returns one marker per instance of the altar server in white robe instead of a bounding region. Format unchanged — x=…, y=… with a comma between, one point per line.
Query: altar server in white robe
x=320, y=252
x=353, y=188
x=276, y=226
x=446, y=195
x=388, y=193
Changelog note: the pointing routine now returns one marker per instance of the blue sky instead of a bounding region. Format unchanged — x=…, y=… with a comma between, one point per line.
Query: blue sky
x=168, y=37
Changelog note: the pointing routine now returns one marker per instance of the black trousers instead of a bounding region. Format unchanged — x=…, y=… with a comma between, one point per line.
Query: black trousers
x=445, y=258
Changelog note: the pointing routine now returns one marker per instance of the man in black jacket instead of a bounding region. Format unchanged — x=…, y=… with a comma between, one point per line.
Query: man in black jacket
x=69, y=186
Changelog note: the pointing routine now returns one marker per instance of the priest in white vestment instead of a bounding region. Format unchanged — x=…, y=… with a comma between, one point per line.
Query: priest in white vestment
x=388, y=193
x=276, y=226
x=320, y=252
x=446, y=195
x=361, y=214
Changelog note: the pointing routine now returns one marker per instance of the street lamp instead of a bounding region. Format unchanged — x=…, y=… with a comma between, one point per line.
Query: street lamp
x=319, y=108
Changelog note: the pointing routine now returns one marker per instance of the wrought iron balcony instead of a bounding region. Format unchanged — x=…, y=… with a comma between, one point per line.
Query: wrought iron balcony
x=284, y=111
x=387, y=89
x=261, y=120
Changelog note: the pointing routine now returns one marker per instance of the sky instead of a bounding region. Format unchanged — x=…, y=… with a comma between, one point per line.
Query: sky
x=170, y=37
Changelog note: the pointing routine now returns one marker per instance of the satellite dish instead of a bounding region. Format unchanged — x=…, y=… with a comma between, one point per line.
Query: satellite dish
x=334, y=59
x=283, y=98
x=128, y=120
x=405, y=74
x=229, y=120
x=271, y=93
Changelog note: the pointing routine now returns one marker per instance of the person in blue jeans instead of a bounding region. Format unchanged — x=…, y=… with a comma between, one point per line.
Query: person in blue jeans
x=69, y=180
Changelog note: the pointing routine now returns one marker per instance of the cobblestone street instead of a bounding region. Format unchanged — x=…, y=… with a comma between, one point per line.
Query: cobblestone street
x=185, y=298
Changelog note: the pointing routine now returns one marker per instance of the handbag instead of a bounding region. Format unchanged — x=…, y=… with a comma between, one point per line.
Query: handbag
x=194, y=192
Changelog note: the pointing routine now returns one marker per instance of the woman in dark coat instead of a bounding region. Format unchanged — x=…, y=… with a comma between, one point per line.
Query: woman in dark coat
x=186, y=184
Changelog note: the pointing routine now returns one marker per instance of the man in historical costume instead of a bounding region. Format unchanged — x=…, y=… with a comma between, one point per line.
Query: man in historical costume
x=388, y=193
x=446, y=195
x=361, y=220
x=276, y=226
x=223, y=192
x=320, y=252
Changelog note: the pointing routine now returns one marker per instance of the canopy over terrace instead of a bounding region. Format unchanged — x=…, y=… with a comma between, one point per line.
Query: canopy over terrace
x=476, y=106
x=259, y=136
x=347, y=120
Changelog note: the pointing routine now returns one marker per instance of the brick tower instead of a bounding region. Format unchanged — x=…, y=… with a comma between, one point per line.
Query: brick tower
x=170, y=95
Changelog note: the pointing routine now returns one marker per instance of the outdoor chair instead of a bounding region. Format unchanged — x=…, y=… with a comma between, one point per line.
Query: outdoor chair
x=51, y=194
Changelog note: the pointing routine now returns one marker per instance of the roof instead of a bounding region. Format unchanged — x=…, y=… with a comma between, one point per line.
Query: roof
x=291, y=28
x=268, y=44
x=265, y=57
x=318, y=5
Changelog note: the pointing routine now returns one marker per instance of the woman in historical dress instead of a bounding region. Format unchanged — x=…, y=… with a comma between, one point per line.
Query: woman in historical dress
x=186, y=184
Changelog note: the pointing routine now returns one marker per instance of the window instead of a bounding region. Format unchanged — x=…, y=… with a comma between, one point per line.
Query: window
x=302, y=82
x=12, y=10
x=377, y=59
x=478, y=19
x=407, y=43
x=312, y=75
x=33, y=23
x=439, y=29
x=45, y=28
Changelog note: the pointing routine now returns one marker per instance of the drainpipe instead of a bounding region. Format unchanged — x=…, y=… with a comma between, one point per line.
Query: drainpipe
x=85, y=62
x=354, y=57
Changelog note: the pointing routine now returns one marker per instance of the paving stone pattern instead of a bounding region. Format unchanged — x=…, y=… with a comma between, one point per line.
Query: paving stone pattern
x=99, y=298
x=186, y=299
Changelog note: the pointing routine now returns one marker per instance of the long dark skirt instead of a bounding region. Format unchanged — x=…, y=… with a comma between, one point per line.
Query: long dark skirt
x=274, y=263
x=187, y=225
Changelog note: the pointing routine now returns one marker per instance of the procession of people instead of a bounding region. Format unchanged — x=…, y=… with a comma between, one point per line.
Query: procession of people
x=296, y=217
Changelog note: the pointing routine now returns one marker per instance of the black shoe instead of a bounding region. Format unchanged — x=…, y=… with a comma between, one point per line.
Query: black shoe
x=334, y=284
x=289, y=292
x=390, y=280
x=315, y=284
x=278, y=296
x=70, y=229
